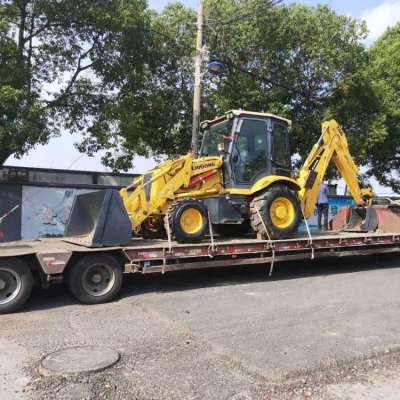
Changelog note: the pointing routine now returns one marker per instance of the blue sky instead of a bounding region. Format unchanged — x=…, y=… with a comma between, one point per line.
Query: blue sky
x=60, y=152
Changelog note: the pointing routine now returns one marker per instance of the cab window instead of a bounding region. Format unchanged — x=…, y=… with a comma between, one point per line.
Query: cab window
x=250, y=155
x=215, y=135
x=280, y=145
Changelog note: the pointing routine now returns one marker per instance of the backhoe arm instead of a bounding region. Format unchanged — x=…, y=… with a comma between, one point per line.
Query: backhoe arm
x=332, y=145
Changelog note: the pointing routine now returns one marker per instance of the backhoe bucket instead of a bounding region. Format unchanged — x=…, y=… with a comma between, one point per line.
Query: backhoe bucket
x=383, y=219
x=98, y=219
x=362, y=219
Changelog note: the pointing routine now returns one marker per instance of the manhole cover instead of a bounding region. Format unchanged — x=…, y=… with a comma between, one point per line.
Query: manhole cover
x=75, y=360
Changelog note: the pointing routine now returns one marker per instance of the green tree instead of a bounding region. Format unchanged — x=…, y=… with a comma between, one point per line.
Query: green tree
x=62, y=63
x=156, y=119
x=384, y=154
x=22, y=119
x=290, y=60
x=122, y=75
x=298, y=57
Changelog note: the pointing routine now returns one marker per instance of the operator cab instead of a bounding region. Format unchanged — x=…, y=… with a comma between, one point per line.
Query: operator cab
x=253, y=144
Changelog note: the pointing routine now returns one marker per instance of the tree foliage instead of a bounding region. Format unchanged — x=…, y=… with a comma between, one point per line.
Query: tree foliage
x=122, y=75
x=299, y=56
x=62, y=62
x=22, y=119
x=151, y=112
x=384, y=70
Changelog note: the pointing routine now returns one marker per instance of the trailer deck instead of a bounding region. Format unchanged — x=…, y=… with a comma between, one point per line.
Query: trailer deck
x=150, y=256
x=94, y=275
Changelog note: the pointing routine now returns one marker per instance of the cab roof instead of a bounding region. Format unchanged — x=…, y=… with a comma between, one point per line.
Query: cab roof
x=238, y=113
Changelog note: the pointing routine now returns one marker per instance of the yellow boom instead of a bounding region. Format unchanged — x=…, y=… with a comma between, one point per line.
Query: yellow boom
x=332, y=145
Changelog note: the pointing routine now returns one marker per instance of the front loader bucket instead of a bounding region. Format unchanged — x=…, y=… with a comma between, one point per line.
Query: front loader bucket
x=98, y=219
x=383, y=219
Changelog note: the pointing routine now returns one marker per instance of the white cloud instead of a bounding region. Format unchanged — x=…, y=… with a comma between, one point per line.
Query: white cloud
x=379, y=18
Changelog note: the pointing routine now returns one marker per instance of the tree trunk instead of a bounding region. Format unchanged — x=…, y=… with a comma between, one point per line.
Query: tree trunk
x=30, y=50
x=22, y=25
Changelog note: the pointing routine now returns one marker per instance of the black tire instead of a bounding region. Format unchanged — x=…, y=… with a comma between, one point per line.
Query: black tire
x=175, y=214
x=95, y=279
x=16, y=282
x=149, y=232
x=263, y=203
x=232, y=229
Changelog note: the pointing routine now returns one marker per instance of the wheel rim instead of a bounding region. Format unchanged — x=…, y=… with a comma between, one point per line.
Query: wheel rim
x=98, y=279
x=191, y=220
x=10, y=285
x=282, y=212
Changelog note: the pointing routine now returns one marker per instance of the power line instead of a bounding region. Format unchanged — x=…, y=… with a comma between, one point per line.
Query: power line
x=237, y=18
x=268, y=4
x=231, y=65
x=263, y=79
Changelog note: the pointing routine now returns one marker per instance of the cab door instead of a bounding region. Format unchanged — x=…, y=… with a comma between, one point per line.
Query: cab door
x=280, y=149
x=250, y=154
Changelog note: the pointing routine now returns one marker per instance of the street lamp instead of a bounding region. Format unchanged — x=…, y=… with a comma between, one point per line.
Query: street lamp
x=216, y=67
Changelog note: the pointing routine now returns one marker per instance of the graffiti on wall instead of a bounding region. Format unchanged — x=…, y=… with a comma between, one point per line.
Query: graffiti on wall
x=45, y=211
x=335, y=204
x=10, y=212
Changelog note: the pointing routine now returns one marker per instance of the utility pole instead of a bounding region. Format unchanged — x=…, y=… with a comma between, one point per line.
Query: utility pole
x=197, y=81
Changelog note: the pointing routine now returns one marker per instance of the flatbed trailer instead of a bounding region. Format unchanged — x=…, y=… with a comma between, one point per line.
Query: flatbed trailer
x=94, y=275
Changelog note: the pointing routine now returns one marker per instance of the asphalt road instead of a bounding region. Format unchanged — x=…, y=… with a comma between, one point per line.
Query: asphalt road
x=220, y=334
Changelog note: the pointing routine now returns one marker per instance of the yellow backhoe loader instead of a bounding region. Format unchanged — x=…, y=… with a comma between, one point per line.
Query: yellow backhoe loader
x=242, y=180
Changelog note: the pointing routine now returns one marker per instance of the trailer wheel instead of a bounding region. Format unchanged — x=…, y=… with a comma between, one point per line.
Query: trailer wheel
x=95, y=279
x=16, y=282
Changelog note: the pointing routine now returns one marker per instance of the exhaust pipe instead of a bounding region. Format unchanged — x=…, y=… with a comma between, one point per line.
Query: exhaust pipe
x=98, y=219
